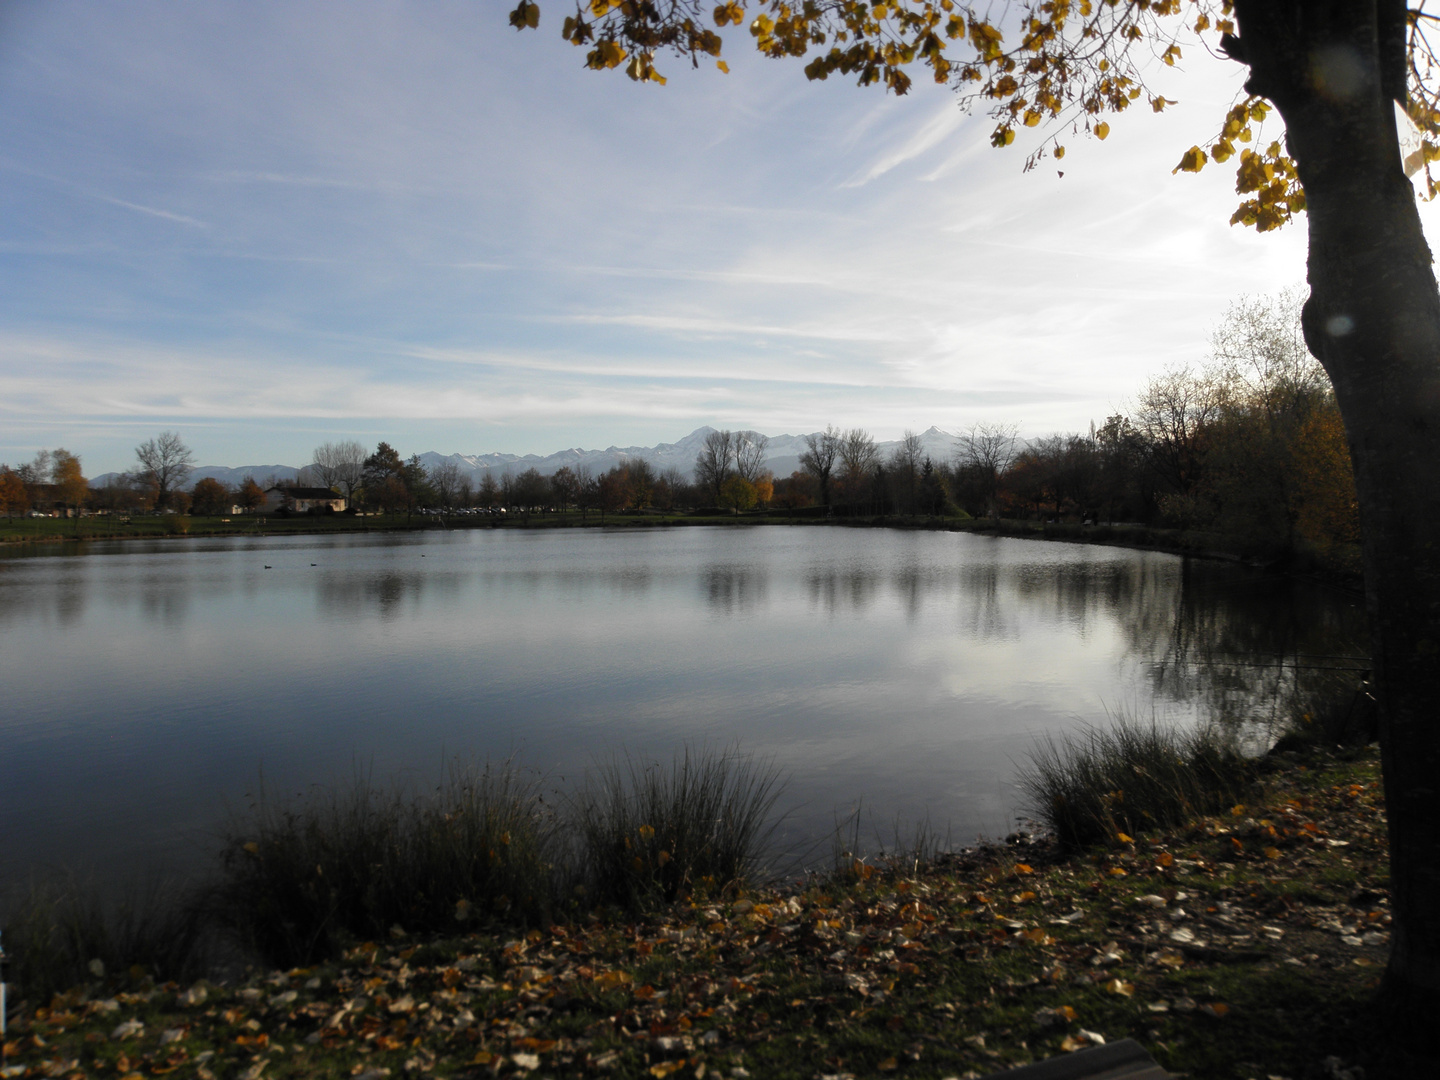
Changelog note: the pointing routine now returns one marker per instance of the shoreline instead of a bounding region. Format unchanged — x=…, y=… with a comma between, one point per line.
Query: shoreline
x=1246, y=943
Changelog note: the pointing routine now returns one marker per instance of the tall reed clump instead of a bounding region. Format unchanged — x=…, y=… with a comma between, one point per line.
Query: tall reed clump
x=351, y=863
x=646, y=834
x=58, y=932
x=1132, y=777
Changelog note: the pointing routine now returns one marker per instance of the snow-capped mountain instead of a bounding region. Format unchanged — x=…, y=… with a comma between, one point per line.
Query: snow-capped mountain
x=782, y=455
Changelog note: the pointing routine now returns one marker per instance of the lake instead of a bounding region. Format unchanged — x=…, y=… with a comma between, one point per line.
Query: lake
x=147, y=687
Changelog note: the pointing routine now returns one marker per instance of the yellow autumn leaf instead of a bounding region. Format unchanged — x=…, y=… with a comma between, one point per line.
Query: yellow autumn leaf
x=1031, y=118
x=525, y=15
x=606, y=54
x=1124, y=839
x=1101, y=130
x=729, y=13
x=253, y=848
x=723, y=66
x=1193, y=160
x=1272, y=853
x=646, y=832
x=1059, y=152
x=1120, y=987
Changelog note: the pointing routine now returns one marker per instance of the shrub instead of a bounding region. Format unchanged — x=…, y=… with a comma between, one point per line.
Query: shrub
x=351, y=863
x=298, y=882
x=647, y=834
x=59, y=932
x=1130, y=778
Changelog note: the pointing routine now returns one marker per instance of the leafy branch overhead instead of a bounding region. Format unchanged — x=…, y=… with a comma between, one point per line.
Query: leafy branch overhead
x=1067, y=64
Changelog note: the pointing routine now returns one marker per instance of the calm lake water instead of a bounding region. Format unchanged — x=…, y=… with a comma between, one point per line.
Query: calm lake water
x=147, y=686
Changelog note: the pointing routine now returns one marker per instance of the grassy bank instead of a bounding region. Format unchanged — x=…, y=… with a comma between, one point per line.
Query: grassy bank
x=1245, y=943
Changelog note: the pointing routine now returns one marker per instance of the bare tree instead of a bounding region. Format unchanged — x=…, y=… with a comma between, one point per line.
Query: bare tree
x=819, y=458
x=488, y=493
x=1173, y=414
x=986, y=451
x=587, y=490
x=750, y=447
x=445, y=479
x=712, y=466
x=858, y=452
x=35, y=472
x=670, y=488
x=858, y=458
x=340, y=465
x=165, y=462
x=905, y=463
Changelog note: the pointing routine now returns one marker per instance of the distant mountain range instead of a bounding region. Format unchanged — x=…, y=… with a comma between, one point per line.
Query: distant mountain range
x=782, y=457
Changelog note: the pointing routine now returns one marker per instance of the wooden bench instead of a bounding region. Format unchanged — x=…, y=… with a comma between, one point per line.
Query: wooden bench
x=1122, y=1060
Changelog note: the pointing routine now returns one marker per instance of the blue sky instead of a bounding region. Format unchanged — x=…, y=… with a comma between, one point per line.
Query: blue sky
x=266, y=225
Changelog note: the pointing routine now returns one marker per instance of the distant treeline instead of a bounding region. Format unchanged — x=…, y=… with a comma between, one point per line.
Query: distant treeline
x=1251, y=446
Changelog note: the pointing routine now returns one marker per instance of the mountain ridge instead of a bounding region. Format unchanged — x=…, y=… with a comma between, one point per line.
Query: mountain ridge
x=782, y=457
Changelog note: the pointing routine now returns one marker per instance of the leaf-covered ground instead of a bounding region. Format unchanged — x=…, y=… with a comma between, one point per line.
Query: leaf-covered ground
x=1248, y=945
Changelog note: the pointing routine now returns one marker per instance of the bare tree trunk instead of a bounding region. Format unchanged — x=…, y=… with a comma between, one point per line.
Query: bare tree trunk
x=1334, y=70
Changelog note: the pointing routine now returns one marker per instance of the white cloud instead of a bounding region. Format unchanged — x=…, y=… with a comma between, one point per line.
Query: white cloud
x=409, y=219
x=943, y=124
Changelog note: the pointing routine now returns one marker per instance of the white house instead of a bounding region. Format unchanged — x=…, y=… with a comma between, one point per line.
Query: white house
x=301, y=500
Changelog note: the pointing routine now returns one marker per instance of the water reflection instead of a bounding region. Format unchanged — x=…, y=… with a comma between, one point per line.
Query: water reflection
x=841, y=591
x=734, y=590
x=1256, y=649
x=148, y=683
x=341, y=595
